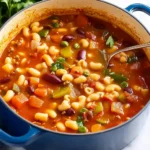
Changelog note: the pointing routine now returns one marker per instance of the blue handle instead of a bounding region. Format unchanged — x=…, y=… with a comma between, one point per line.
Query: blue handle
x=138, y=7
x=32, y=132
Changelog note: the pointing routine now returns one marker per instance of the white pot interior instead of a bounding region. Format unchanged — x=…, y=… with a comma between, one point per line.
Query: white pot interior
x=94, y=8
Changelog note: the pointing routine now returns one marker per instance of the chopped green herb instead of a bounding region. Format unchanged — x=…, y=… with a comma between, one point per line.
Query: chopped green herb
x=132, y=59
x=110, y=42
x=82, y=128
x=64, y=44
x=55, y=24
x=86, y=74
x=124, y=84
x=76, y=46
x=43, y=33
x=82, y=110
x=16, y=88
x=59, y=64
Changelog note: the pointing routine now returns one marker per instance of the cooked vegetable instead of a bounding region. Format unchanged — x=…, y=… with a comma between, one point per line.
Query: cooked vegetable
x=64, y=44
x=66, y=52
x=43, y=33
x=122, y=97
x=59, y=64
x=98, y=108
x=61, y=92
x=132, y=59
x=76, y=46
x=124, y=84
x=117, y=107
x=82, y=110
x=18, y=100
x=110, y=42
x=35, y=102
x=86, y=74
x=55, y=24
x=103, y=121
x=82, y=128
x=16, y=88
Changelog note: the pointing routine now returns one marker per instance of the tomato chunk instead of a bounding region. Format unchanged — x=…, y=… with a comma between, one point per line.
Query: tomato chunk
x=19, y=100
x=81, y=20
x=35, y=102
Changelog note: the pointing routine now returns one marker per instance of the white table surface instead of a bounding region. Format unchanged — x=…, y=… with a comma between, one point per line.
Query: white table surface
x=142, y=142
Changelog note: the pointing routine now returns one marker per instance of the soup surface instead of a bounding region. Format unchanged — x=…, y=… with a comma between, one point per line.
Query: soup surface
x=53, y=74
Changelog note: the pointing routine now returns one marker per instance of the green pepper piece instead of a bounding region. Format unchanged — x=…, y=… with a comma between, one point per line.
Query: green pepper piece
x=118, y=77
x=124, y=84
x=61, y=92
x=66, y=52
x=82, y=110
x=43, y=33
x=98, y=108
x=82, y=128
x=16, y=88
x=103, y=121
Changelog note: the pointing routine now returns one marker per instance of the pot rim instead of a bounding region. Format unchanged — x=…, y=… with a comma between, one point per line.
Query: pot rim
x=77, y=134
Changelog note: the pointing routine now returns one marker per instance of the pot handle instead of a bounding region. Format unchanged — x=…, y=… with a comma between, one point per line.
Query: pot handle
x=138, y=7
x=32, y=132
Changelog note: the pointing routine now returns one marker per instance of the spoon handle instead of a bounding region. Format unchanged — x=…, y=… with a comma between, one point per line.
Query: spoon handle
x=130, y=49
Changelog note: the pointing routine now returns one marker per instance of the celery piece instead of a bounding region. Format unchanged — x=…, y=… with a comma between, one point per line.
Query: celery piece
x=98, y=108
x=103, y=121
x=16, y=88
x=61, y=92
x=122, y=98
x=66, y=52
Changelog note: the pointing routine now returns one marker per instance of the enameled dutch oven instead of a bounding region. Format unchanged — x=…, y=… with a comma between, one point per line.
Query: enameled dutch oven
x=15, y=131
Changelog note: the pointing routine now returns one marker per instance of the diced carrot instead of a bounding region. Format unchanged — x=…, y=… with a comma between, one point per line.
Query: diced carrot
x=41, y=92
x=97, y=127
x=19, y=100
x=76, y=71
x=35, y=102
x=56, y=38
x=81, y=20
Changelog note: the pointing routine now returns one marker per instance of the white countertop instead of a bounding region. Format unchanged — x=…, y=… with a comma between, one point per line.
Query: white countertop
x=142, y=142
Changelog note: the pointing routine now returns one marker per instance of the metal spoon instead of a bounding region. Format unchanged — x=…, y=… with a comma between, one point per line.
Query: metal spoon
x=106, y=58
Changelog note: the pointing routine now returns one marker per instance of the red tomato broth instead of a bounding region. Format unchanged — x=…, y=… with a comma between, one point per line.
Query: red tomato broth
x=97, y=28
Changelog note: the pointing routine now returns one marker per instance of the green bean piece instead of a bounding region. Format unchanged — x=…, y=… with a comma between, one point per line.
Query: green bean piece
x=76, y=46
x=16, y=88
x=43, y=33
x=98, y=108
x=64, y=44
x=124, y=84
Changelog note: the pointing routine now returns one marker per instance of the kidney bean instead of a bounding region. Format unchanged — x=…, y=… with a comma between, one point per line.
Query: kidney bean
x=81, y=55
x=4, y=80
x=80, y=31
x=142, y=82
x=91, y=36
x=51, y=78
x=70, y=112
x=68, y=38
x=30, y=90
x=128, y=89
x=88, y=115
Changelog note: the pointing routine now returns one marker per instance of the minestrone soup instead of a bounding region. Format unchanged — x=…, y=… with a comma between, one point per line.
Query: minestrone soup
x=53, y=74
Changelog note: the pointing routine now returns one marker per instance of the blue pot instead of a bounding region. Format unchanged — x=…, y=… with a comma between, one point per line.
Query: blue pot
x=16, y=131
